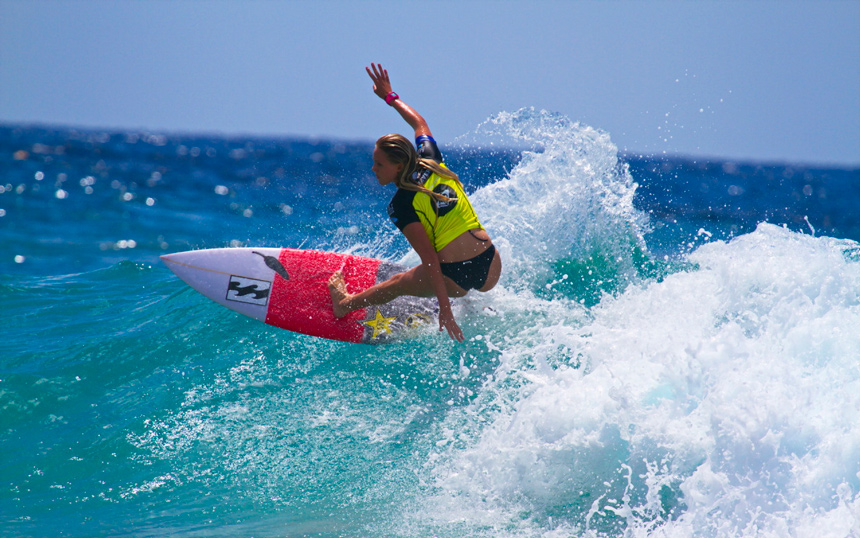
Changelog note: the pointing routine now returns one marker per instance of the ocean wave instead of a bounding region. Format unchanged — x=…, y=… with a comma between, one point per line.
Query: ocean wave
x=718, y=402
x=566, y=208
x=602, y=390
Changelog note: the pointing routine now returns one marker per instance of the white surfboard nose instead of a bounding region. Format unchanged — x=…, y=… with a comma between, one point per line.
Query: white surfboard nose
x=237, y=278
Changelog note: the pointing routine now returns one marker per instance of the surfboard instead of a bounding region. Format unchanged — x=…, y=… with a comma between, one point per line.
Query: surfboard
x=288, y=288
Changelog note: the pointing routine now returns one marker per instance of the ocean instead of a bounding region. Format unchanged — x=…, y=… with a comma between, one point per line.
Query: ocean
x=673, y=349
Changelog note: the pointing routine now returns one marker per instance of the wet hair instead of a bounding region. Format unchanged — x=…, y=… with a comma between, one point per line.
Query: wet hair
x=400, y=150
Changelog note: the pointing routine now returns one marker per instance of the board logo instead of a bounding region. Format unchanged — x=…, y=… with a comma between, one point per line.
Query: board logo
x=248, y=290
x=274, y=264
x=413, y=321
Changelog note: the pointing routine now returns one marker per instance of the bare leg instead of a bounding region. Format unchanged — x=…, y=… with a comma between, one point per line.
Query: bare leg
x=414, y=282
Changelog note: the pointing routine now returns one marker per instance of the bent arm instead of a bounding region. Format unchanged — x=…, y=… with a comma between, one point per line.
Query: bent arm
x=416, y=236
x=382, y=88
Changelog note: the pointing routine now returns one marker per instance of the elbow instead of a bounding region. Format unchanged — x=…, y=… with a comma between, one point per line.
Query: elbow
x=421, y=127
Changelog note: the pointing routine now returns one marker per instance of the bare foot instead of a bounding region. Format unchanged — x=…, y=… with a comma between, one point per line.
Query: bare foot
x=339, y=296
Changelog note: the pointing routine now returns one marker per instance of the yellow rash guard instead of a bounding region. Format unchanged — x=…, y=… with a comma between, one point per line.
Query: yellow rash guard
x=443, y=221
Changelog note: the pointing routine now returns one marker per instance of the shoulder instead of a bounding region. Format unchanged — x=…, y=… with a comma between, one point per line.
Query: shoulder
x=401, y=209
x=427, y=148
x=403, y=196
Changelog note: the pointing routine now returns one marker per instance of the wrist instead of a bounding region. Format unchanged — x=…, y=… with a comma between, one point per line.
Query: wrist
x=390, y=98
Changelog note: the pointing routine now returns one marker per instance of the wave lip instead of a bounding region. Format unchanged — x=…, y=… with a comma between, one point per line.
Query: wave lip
x=568, y=198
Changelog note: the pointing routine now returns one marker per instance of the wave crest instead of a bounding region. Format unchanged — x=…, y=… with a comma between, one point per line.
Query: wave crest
x=568, y=198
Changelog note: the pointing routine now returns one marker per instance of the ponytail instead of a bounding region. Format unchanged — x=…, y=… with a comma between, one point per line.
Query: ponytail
x=399, y=150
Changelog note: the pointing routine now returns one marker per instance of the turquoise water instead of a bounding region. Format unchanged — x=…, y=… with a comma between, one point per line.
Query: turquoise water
x=672, y=351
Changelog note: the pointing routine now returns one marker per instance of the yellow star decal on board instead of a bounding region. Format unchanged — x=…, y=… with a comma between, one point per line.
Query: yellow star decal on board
x=380, y=324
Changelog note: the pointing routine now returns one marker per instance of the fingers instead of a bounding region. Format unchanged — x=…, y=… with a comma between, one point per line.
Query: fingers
x=458, y=335
x=378, y=73
x=373, y=74
x=453, y=329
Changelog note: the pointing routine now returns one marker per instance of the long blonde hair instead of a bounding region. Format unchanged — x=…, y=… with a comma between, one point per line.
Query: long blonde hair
x=400, y=150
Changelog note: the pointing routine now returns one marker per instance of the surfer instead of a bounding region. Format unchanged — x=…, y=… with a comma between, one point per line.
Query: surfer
x=431, y=209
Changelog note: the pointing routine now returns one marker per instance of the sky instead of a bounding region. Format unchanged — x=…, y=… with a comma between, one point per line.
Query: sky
x=756, y=80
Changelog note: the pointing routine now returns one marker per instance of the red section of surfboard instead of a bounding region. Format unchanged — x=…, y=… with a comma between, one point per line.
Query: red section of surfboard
x=303, y=303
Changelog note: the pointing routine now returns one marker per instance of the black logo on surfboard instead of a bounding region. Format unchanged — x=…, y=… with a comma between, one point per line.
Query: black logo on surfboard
x=248, y=290
x=274, y=264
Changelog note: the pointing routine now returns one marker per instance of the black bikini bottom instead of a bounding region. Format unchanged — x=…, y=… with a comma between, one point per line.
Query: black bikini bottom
x=470, y=274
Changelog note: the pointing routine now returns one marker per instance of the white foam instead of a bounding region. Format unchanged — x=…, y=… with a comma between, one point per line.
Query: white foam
x=729, y=394
x=569, y=196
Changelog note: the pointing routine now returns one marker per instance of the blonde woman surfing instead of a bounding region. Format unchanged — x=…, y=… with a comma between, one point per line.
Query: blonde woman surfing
x=431, y=209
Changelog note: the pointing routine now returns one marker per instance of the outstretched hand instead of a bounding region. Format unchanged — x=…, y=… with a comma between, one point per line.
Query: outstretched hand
x=446, y=321
x=381, y=82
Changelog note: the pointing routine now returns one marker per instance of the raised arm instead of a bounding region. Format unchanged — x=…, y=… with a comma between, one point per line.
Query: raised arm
x=382, y=88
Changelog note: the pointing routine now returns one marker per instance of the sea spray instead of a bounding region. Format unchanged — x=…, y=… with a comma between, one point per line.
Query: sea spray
x=715, y=396
x=565, y=211
x=722, y=401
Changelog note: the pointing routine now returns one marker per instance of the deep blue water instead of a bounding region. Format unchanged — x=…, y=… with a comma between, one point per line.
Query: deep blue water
x=673, y=349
